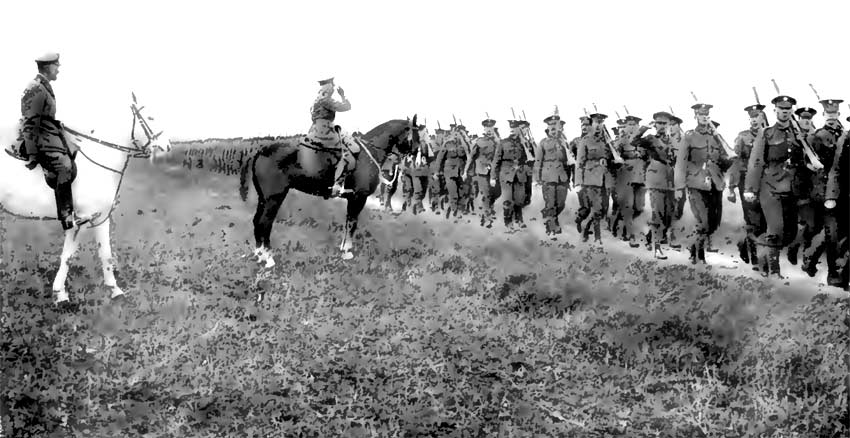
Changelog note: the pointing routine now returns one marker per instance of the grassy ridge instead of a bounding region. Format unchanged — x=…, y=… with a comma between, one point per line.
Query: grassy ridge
x=434, y=329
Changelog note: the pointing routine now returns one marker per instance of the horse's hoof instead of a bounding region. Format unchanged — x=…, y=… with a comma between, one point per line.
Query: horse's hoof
x=61, y=297
x=347, y=255
x=116, y=293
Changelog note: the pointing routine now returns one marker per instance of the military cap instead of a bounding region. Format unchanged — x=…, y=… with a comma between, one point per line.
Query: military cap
x=620, y=121
x=440, y=131
x=552, y=118
x=786, y=102
x=524, y=123
x=48, y=58
x=631, y=118
x=676, y=120
x=830, y=105
x=701, y=108
x=754, y=110
x=584, y=119
x=662, y=115
x=515, y=123
x=460, y=127
x=488, y=123
x=326, y=81
x=805, y=113
x=562, y=122
x=598, y=116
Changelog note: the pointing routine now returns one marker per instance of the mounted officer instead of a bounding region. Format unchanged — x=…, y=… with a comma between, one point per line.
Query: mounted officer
x=42, y=141
x=325, y=133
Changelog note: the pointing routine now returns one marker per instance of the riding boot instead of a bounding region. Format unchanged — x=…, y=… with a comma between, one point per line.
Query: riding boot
x=340, y=174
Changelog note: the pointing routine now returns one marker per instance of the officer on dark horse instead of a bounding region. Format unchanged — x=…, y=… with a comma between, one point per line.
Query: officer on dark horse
x=327, y=162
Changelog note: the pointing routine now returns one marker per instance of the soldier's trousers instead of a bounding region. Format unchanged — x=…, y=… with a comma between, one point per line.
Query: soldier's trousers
x=597, y=199
x=454, y=186
x=780, y=212
x=513, y=195
x=387, y=191
x=706, y=206
x=583, y=205
x=632, y=199
x=554, y=201
x=436, y=191
x=484, y=196
x=60, y=171
x=663, y=204
x=829, y=241
x=529, y=183
x=406, y=188
x=420, y=186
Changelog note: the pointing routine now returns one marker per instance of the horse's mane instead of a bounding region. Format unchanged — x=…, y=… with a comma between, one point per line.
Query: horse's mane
x=391, y=127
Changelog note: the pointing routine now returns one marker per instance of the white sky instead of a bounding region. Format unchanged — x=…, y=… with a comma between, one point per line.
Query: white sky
x=247, y=68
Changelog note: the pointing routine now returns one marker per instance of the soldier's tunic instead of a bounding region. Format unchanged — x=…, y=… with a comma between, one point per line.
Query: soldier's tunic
x=406, y=177
x=753, y=217
x=481, y=156
x=815, y=219
x=838, y=189
x=700, y=165
x=510, y=161
x=390, y=166
x=661, y=153
x=593, y=158
x=451, y=162
x=631, y=175
x=43, y=137
x=773, y=173
x=551, y=169
x=436, y=182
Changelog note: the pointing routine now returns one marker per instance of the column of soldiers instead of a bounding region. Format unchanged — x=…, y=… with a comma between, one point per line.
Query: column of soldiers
x=779, y=189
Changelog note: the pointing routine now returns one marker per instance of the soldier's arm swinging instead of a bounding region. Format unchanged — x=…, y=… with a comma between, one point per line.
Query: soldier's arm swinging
x=755, y=167
x=680, y=171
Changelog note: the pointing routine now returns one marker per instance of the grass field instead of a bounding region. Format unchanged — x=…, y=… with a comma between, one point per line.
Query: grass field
x=434, y=329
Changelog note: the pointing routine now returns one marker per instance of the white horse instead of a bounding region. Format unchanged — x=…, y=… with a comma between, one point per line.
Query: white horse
x=100, y=169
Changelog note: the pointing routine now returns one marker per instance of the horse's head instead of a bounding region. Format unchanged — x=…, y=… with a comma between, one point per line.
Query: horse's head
x=401, y=136
x=144, y=139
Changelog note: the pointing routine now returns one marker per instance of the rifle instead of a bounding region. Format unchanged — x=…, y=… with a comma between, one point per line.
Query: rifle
x=764, y=123
x=610, y=143
x=571, y=160
x=729, y=151
x=814, y=161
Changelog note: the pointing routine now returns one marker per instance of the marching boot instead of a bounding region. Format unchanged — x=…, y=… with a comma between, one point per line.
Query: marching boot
x=578, y=224
x=809, y=266
x=632, y=242
x=693, y=254
x=753, y=250
x=707, y=246
x=773, y=257
x=792, y=252
x=556, y=228
x=743, y=253
x=701, y=251
x=648, y=240
x=673, y=243
x=658, y=254
x=586, y=233
x=763, y=264
x=448, y=211
x=597, y=232
x=518, y=217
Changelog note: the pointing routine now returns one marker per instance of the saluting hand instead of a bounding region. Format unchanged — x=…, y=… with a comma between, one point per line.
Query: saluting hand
x=341, y=92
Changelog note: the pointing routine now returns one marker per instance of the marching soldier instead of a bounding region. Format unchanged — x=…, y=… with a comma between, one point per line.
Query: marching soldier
x=584, y=207
x=805, y=115
x=593, y=159
x=550, y=167
x=511, y=171
x=481, y=160
x=817, y=221
x=42, y=141
x=772, y=173
x=451, y=162
x=700, y=164
x=676, y=135
x=838, y=205
x=631, y=175
x=436, y=183
x=419, y=171
x=753, y=216
x=661, y=152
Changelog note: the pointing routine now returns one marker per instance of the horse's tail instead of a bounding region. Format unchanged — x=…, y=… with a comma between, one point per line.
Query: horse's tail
x=247, y=167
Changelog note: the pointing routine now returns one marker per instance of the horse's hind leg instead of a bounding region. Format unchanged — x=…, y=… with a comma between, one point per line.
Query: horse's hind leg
x=263, y=220
x=354, y=207
x=68, y=250
x=106, y=259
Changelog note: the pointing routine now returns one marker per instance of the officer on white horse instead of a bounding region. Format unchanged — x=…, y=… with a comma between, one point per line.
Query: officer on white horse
x=324, y=132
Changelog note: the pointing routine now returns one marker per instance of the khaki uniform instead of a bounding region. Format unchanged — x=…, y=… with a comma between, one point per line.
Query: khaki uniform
x=481, y=156
x=838, y=189
x=631, y=193
x=451, y=162
x=552, y=171
x=661, y=154
x=593, y=158
x=754, y=220
x=510, y=161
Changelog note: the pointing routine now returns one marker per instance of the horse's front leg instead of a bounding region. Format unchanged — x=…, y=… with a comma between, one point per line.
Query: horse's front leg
x=104, y=250
x=354, y=207
x=69, y=249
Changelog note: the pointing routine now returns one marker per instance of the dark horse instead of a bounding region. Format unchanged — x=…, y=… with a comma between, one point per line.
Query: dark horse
x=309, y=169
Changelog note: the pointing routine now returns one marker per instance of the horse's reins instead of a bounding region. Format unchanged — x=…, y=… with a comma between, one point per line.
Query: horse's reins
x=369, y=153
x=135, y=151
